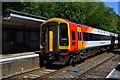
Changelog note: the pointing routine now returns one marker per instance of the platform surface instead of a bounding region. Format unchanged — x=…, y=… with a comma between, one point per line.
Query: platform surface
x=13, y=64
x=3, y=56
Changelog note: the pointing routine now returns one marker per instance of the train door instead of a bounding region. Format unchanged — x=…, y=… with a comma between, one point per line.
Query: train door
x=49, y=37
x=53, y=37
x=74, y=38
x=79, y=38
x=112, y=41
x=119, y=41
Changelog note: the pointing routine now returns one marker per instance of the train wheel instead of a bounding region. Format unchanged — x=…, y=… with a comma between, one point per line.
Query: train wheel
x=72, y=61
x=48, y=64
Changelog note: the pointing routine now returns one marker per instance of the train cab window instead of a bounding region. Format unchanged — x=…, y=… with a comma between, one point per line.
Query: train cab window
x=73, y=35
x=63, y=33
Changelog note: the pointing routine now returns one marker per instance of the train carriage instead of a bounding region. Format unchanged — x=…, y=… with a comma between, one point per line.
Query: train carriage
x=64, y=42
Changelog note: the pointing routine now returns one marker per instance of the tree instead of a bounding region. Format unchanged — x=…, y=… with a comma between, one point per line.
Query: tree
x=94, y=14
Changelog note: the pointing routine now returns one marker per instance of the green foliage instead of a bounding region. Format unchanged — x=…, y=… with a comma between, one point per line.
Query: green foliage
x=118, y=25
x=94, y=14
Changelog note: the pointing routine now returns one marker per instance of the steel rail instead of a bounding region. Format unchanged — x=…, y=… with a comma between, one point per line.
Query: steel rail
x=94, y=67
x=52, y=73
x=22, y=74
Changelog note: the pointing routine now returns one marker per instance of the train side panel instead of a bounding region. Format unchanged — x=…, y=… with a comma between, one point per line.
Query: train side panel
x=74, y=41
x=73, y=38
x=94, y=37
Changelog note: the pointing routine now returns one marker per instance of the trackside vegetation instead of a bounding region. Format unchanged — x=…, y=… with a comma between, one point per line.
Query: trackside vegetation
x=94, y=14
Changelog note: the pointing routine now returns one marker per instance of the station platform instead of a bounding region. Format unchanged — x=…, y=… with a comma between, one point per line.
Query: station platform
x=13, y=64
x=115, y=73
x=3, y=56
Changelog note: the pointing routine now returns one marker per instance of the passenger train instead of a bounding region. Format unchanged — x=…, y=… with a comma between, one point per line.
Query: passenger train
x=64, y=42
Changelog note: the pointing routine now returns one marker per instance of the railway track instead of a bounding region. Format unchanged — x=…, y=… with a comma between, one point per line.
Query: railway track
x=39, y=73
x=85, y=67
x=49, y=72
x=23, y=74
x=94, y=67
x=54, y=72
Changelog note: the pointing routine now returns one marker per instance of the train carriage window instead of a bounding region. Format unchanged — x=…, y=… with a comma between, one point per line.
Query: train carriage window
x=86, y=36
x=73, y=35
x=95, y=37
x=91, y=37
x=109, y=38
x=99, y=37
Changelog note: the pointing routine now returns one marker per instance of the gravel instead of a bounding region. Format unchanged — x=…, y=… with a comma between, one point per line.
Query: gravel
x=88, y=64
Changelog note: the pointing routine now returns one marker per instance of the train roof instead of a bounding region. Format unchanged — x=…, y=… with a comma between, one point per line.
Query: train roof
x=90, y=26
x=66, y=20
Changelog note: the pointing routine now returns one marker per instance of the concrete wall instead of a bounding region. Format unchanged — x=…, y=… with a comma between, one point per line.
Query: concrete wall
x=17, y=65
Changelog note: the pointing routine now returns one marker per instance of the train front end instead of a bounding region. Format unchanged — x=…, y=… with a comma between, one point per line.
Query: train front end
x=54, y=41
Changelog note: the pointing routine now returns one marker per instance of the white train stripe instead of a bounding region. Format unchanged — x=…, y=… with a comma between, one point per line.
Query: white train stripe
x=20, y=57
x=97, y=43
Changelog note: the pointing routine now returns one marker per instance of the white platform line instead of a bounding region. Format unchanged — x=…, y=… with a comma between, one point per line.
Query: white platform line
x=110, y=74
x=20, y=57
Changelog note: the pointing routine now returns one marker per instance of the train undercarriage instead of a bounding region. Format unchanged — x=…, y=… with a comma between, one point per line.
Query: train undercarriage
x=73, y=57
